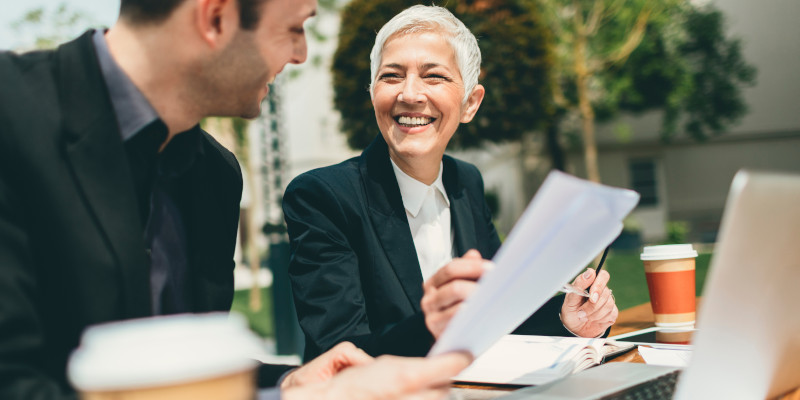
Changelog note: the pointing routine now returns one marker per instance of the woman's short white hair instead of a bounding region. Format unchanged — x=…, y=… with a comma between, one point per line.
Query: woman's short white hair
x=422, y=18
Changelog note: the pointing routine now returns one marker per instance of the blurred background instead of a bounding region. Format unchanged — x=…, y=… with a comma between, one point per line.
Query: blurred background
x=669, y=98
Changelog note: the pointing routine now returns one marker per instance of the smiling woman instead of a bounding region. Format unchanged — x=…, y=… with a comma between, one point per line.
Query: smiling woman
x=417, y=99
x=366, y=233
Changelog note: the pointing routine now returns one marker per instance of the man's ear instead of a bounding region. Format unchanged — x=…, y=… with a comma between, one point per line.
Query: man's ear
x=473, y=103
x=216, y=20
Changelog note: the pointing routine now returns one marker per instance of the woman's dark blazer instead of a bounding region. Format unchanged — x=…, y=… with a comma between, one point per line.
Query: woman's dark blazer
x=353, y=266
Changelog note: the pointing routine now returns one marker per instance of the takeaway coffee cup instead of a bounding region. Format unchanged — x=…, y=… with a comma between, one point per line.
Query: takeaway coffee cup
x=183, y=357
x=674, y=336
x=670, y=280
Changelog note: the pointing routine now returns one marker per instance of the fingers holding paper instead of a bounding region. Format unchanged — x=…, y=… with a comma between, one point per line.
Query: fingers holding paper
x=448, y=288
x=590, y=317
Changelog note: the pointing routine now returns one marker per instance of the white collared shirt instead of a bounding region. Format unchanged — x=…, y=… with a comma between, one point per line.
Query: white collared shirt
x=428, y=213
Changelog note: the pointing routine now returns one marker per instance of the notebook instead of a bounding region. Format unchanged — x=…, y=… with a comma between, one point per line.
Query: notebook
x=747, y=345
x=526, y=360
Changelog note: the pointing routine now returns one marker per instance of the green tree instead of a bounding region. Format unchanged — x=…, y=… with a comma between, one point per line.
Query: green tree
x=697, y=79
x=515, y=72
x=638, y=55
x=44, y=29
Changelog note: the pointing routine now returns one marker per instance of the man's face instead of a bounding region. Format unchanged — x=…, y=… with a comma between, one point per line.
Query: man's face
x=239, y=75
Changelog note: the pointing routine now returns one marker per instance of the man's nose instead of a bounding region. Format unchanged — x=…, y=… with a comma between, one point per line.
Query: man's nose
x=300, y=54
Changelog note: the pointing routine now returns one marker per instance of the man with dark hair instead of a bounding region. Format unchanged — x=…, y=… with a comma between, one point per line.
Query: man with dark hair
x=114, y=204
x=140, y=12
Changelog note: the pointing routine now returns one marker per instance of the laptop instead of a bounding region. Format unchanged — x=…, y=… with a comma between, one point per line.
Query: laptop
x=747, y=345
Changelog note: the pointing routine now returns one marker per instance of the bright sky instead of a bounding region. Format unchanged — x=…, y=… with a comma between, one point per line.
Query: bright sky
x=104, y=12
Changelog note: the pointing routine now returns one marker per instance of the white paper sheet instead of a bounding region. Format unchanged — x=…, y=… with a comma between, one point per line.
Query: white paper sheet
x=565, y=226
x=665, y=356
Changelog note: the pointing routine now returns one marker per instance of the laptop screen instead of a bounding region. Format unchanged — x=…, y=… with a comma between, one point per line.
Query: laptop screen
x=748, y=340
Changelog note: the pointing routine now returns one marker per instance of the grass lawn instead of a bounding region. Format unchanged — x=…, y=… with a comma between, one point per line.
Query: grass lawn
x=261, y=321
x=628, y=281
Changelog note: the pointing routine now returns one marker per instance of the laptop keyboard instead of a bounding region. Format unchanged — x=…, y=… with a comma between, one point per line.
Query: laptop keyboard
x=660, y=388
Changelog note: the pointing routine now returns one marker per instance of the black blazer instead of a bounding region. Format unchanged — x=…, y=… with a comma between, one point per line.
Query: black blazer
x=354, y=267
x=71, y=243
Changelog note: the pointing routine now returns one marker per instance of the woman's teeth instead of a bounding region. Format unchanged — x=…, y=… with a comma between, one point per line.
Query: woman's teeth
x=414, y=121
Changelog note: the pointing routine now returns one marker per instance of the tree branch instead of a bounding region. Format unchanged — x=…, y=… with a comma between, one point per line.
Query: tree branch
x=595, y=17
x=634, y=38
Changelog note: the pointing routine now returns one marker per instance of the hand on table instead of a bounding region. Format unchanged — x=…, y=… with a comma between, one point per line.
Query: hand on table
x=327, y=365
x=447, y=288
x=388, y=377
x=590, y=317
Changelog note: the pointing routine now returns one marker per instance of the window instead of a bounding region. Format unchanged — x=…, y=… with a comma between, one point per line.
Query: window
x=643, y=180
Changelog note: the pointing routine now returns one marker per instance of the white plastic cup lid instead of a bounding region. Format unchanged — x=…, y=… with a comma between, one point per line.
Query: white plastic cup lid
x=161, y=351
x=668, y=252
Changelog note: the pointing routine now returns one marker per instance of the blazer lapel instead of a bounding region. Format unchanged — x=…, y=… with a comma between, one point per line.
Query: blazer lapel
x=93, y=147
x=387, y=213
x=461, y=217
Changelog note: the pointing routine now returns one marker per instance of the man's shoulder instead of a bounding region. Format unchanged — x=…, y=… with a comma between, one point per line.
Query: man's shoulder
x=22, y=63
x=25, y=73
x=30, y=114
x=221, y=163
x=216, y=149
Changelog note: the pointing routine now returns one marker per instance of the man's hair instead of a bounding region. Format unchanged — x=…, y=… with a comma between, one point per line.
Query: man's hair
x=141, y=12
x=422, y=18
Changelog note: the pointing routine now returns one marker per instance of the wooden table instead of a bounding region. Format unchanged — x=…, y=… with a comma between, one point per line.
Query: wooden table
x=629, y=320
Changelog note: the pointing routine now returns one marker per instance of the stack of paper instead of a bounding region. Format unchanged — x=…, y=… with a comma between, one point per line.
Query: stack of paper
x=565, y=226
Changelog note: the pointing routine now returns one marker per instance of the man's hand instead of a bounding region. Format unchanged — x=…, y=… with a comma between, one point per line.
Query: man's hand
x=447, y=288
x=389, y=377
x=327, y=365
x=590, y=317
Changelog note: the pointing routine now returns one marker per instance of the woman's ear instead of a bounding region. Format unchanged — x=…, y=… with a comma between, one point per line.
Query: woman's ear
x=216, y=21
x=473, y=103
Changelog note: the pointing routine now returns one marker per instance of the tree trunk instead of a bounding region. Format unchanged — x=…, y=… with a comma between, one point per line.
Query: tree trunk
x=554, y=149
x=587, y=122
x=585, y=106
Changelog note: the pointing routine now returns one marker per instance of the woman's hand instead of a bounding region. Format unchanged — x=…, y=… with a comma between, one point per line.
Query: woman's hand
x=590, y=317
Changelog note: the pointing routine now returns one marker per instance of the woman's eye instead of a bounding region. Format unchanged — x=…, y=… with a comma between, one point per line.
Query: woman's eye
x=437, y=77
x=389, y=76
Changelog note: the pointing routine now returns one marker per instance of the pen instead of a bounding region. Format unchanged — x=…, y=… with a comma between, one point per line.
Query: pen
x=568, y=288
x=602, y=260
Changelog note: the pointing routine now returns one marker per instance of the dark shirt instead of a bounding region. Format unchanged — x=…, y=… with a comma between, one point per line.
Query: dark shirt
x=158, y=178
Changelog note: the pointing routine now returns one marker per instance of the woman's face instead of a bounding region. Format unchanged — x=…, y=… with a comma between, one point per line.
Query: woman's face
x=417, y=96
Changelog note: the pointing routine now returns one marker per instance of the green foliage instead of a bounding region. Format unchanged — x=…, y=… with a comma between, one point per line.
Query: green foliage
x=686, y=66
x=677, y=232
x=261, y=321
x=631, y=225
x=515, y=72
x=718, y=70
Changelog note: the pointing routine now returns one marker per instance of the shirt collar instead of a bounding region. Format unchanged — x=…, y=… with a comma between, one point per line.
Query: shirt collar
x=133, y=110
x=413, y=191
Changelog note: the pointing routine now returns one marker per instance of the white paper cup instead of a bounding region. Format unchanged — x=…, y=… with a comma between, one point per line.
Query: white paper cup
x=189, y=356
x=670, y=272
